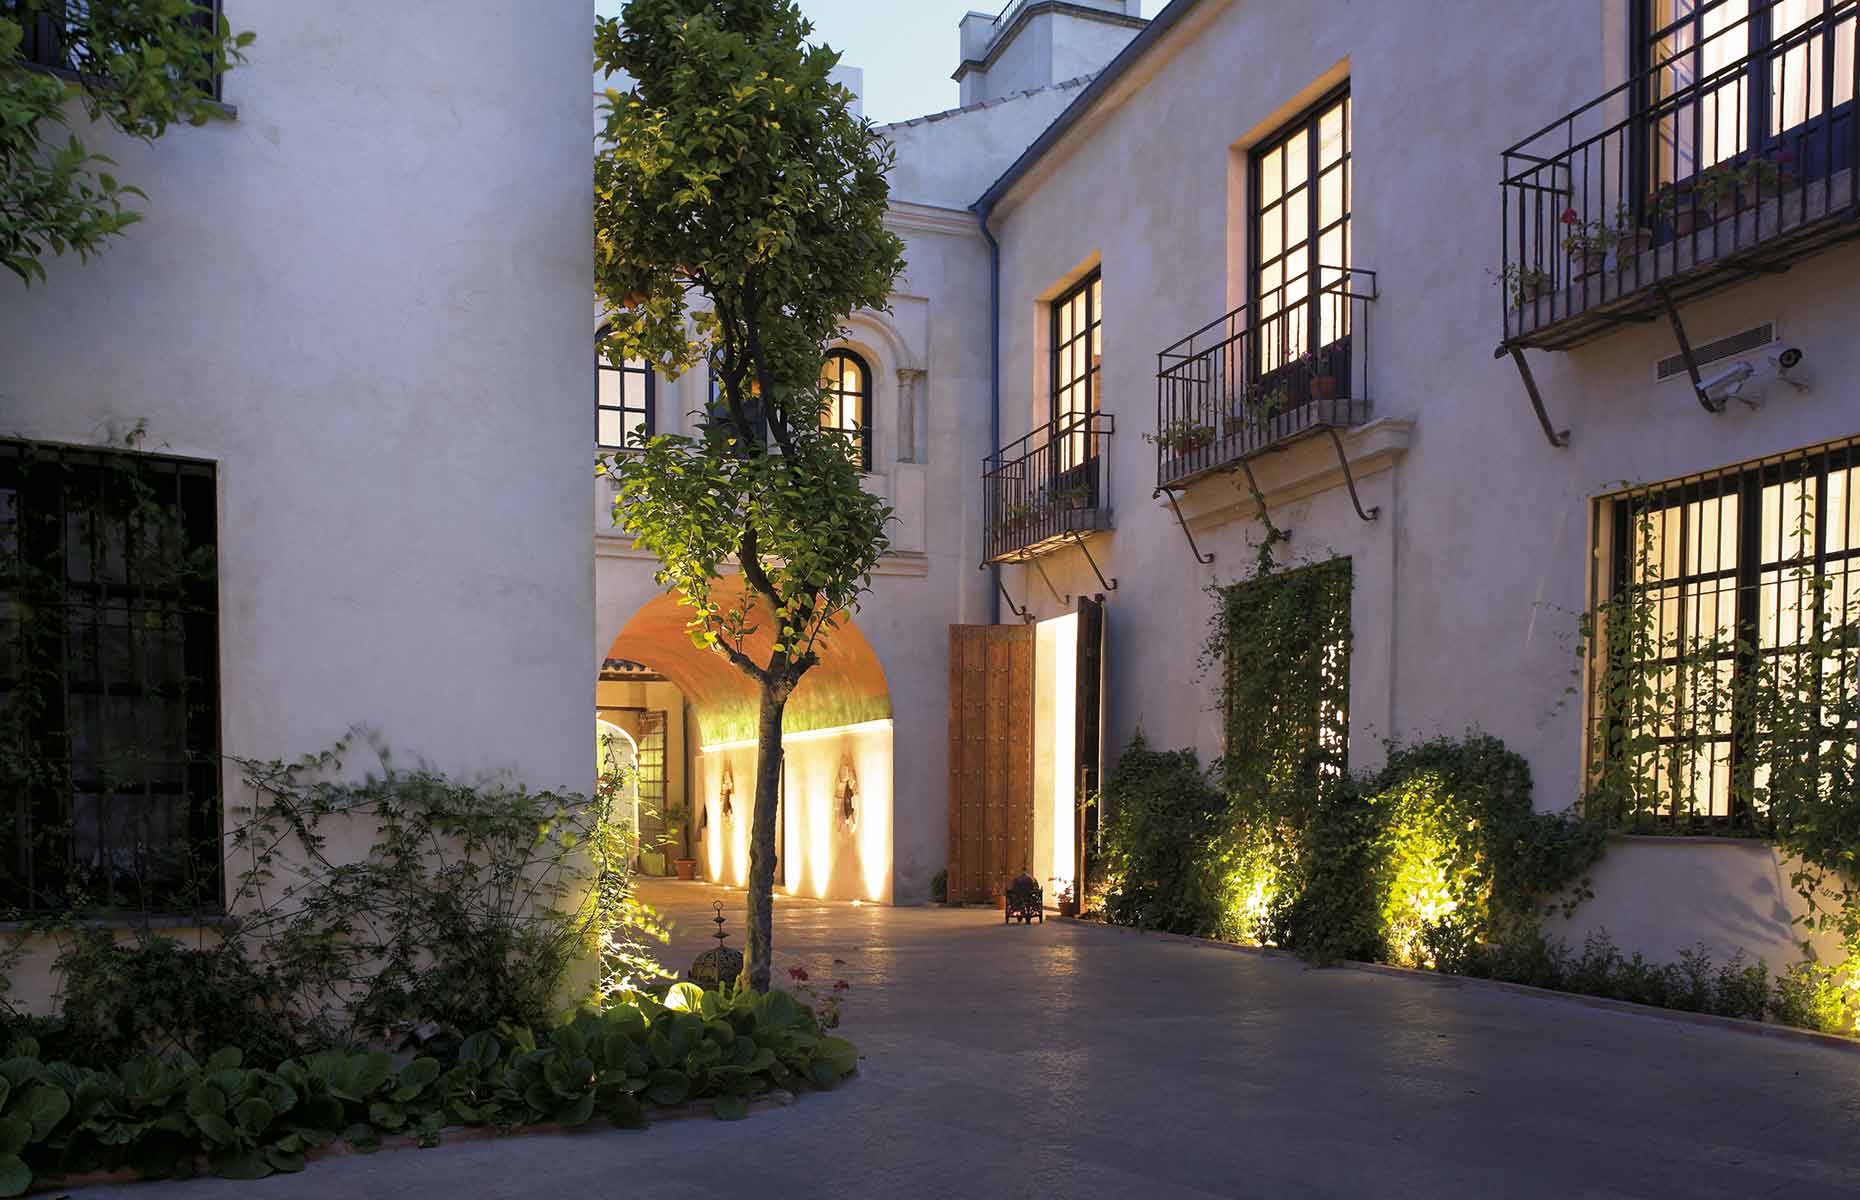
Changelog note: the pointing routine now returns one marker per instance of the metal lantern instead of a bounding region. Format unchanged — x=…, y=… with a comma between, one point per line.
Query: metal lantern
x=1023, y=901
x=713, y=968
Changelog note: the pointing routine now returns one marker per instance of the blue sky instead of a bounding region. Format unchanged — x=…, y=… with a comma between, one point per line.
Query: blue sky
x=908, y=48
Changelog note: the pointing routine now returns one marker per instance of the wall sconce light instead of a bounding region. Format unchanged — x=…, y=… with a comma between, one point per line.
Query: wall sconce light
x=845, y=796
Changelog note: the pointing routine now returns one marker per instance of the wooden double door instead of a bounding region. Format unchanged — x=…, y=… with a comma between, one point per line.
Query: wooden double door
x=992, y=737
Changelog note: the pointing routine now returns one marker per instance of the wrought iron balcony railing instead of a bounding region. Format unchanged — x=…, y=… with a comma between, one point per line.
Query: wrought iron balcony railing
x=1247, y=383
x=1731, y=153
x=1049, y=488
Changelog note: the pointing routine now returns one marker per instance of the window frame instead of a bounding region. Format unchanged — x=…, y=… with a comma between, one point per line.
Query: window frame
x=860, y=435
x=622, y=410
x=1308, y=121
x=1746, y=580
x=187, y=609
x=43, y=47
x=1760, y=55
x=1090, y=288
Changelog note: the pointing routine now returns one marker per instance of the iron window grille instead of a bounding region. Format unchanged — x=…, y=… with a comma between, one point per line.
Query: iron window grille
x=57, y=37
x=1723, y=588
x=847, y=382
x=109, y=682
x=624, y=400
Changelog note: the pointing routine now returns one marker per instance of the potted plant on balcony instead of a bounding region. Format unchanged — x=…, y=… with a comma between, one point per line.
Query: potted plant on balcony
x=1019, y=514
x=1265, y=403
x=1683, y=205
x=1181, y=436
x=1323, y=385
x=1765, y=177
x=1587, y=243
x=1078, y=496
x=1522, y=284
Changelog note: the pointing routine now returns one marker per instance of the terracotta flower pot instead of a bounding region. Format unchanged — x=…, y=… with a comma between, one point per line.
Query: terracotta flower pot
x=686, y=867
x=1323, y=388
x=1686, y=221
x=1586, y=261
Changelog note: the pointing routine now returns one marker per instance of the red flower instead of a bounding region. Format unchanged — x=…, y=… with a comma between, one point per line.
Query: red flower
x=1570, y=216
x=840, y=985
x=1785, y=156
x=799, y=974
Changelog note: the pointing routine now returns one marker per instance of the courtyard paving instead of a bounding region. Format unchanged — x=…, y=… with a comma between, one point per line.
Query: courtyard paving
x=1072, y=1061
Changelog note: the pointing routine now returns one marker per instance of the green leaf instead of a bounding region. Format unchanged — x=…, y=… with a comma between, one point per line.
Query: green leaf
x=730, y=1108
x=415, y=1077
x=668, y=1087
x=14, y=1134
x=15, y=1176
x=44, y=1106
x=255, y=1116
x=287, y=1161
x=839, y=1053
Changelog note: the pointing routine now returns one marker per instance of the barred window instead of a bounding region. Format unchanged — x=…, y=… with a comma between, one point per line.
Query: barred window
x=1724, y=649
x=109, y=705
x=848, y=385
x=74, y=38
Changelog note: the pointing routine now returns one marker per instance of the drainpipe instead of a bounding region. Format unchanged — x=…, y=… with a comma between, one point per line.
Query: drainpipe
x=981, y=211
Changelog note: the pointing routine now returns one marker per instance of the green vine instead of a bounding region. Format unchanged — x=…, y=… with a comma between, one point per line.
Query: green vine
x=1670, y=698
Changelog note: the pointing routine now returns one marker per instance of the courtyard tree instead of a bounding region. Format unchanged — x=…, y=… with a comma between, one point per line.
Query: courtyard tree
x=137, y=65
x=739, y=204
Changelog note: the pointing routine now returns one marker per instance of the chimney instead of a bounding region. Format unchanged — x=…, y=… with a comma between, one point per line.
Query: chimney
x=1035, y=43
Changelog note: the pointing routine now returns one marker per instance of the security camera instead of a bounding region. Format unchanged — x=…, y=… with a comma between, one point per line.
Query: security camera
x=1785, y=362
x=1727, y=384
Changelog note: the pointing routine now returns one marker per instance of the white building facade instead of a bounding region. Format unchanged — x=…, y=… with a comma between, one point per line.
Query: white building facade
x=353, y=324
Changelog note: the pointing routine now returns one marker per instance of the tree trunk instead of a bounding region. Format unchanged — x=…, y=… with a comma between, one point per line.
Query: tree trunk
x=758, y=961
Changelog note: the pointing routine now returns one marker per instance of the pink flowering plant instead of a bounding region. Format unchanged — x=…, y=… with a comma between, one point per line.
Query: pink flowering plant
x=825, y=1000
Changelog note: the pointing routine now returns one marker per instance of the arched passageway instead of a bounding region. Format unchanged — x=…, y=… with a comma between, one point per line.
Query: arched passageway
x=836, y=824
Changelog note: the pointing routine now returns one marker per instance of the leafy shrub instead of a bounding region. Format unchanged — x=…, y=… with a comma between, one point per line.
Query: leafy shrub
x=939, y=886
x=1463, y=856
x=1327, y=889
x=470, y=908
x=1165, y=832
x=162, y=1118
x=153, y=995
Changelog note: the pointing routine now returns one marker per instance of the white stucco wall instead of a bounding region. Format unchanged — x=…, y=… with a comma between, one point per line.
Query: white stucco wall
x=365, y=299
x=1467, y=587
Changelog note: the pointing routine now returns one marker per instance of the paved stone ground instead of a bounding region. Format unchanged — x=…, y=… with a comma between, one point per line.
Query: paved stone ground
x=1071, y=1061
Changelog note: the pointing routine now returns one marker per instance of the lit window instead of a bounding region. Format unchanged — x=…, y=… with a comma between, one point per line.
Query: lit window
x=1301, y=242
x=1730, y=623
x=1717, y=69
x=847, y=382
x=623, y=403
x=1078, y=354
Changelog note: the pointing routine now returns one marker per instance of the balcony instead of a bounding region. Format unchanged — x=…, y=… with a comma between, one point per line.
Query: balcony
x=1242, y=385
x=1657, y=192
x=1048, y=489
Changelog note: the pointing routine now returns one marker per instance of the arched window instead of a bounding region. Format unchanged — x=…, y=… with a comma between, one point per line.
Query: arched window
x=848, y=384
x=622, y=402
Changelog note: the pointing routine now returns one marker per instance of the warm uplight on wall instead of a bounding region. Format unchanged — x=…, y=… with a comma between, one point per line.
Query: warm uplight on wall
x=806, y=735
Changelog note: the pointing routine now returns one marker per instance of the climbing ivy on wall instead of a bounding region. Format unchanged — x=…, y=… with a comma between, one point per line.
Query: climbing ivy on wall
x=1702, y=722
